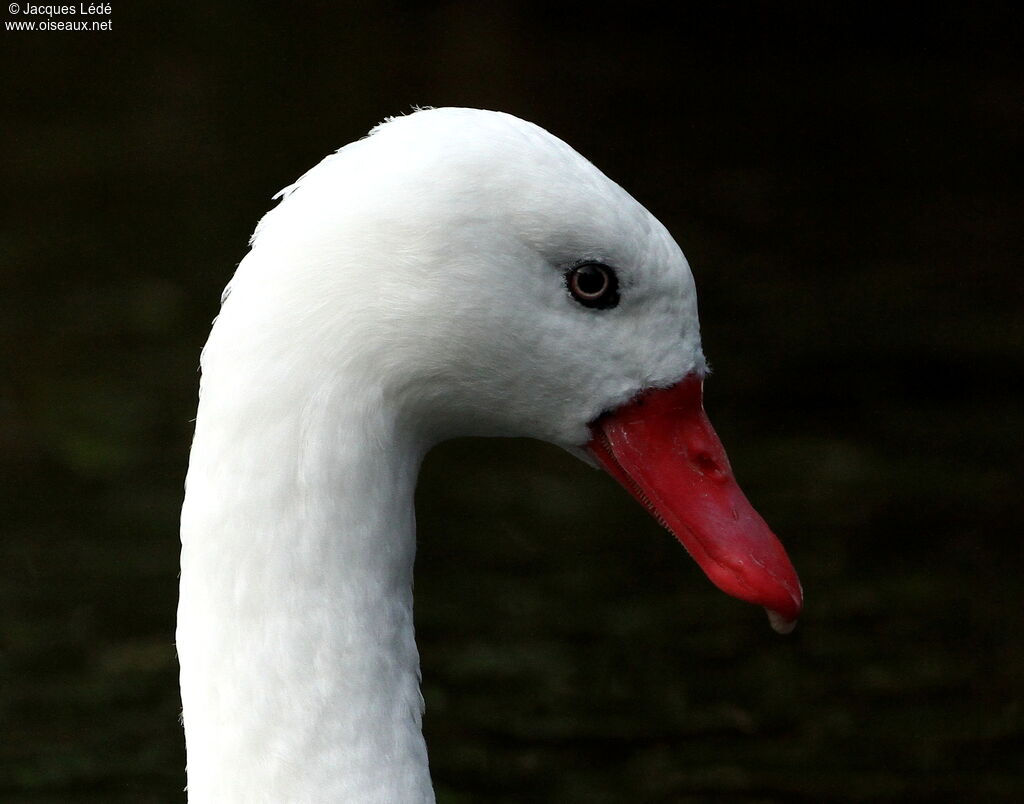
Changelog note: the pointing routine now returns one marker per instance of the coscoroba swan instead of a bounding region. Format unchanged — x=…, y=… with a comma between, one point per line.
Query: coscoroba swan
x=457, y=272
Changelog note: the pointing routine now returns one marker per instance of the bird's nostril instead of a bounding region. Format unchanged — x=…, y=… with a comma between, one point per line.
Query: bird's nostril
x=706, y=463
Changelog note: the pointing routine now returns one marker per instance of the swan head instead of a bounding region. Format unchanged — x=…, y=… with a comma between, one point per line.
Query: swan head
x=483, y=278
x=449, y=239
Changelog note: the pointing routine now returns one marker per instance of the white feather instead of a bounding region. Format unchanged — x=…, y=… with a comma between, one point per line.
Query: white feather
x=407, y=289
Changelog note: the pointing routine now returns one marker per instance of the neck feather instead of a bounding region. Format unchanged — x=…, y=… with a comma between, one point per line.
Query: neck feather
x=299, y=669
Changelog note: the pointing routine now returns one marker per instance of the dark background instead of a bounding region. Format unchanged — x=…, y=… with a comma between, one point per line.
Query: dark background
x=845, y=181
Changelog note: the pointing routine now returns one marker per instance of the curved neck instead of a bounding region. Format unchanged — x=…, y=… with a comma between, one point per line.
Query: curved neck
x=299, y=669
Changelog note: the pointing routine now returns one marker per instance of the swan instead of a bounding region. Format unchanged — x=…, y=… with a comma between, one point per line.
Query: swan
x=456, y=272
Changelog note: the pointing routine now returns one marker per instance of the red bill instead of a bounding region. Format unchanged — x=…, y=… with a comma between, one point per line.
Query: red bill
x=662, y=448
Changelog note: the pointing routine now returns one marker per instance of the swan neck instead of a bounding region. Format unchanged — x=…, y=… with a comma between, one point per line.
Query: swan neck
x=299, y=669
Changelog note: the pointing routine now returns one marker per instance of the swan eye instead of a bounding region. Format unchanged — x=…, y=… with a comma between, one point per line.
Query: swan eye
x=593, y=285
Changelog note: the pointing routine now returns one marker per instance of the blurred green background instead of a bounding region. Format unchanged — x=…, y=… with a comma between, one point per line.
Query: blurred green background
x=846, y=183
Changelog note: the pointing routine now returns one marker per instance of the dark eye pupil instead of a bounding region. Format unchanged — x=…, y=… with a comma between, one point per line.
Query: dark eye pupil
x=593, y=285
x=590, y=279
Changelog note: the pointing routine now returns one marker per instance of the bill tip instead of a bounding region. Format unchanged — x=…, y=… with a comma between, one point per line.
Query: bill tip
x=779, y=623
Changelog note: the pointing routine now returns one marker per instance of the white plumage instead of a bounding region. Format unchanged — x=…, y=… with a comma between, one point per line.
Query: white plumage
x=409, y=288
